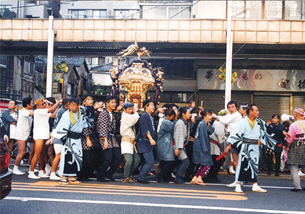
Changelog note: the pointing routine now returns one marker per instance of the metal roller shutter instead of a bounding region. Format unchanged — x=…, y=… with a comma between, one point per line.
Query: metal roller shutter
x=211, y=100
x=271, y=104
x=298, y=101
x=241, y=97
x=215, y=99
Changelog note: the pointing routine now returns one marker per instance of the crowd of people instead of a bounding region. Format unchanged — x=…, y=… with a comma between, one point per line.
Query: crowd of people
x=92, y=140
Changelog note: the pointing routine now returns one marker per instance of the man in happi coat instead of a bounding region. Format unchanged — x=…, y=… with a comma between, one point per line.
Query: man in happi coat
x=248, y=134
x=69, y=131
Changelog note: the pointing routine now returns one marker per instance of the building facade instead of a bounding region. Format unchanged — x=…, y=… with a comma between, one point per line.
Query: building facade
x=188, y=39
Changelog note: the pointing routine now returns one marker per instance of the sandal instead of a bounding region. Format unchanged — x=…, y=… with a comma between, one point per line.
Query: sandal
x=193, y=182
x=201, y=183
x=126, y=180
x=74, y=181
x=63, y=182
x=132, y=179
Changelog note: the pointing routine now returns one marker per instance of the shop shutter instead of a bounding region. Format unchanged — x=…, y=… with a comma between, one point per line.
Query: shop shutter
x=298, y=100
x=215, y=99
x=271, y=104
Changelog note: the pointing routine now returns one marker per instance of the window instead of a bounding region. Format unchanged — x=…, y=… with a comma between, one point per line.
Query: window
x=172, y=97
x=2, y=7
x=237, y=9
x=166, y=12
x=94, y=61
x=70, y=89
x=78, y=14
x=26, y=67
x=99, y=14
x=253, y=9
x=273, y=9
x=31, y=68
x=126, y=14
x=293, y=10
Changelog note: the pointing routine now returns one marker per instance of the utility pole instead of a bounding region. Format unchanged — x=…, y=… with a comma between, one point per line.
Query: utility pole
x=228, y=60
x=50, y=58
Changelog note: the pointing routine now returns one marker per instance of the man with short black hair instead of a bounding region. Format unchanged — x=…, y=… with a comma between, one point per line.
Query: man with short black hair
x=106, y=126
x=23, y=131
x=248, y=134
x=146, y=140
x=129, y=118
x=70, y=130
x=58, y=144
x=9, y=119
x=230, y=120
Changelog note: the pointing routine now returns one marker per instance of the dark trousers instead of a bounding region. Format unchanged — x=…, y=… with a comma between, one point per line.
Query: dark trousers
x=88, y=164
x=216, y=166
x=263, y=157
x=190, y=171
x=182, y=167
x=149, y=162
x=167, y=167
x=98, y=155
x=112, y=158
x=277, y=161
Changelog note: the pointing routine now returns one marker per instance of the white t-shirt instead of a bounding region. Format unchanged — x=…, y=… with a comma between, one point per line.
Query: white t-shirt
x=24, y=125
x=41, y=124
x=231, y=120
x=13, y=127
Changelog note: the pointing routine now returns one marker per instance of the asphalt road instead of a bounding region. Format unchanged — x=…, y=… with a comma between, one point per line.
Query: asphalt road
x=45, y=196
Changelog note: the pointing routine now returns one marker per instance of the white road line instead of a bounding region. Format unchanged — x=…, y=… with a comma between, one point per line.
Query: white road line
x=178, y=206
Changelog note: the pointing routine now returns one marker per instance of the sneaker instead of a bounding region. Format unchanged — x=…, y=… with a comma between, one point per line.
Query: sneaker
x=48, y=169
x=258, y=189
x=232, y=184
x=54, y=177
x=42, y=175
x=161, y=180
x=143, y=181
x=18, y=172
x=238, y=189
x=179, y=180
x=301, y=174
x=33, y=176
x=231, y=170
x=35, y=170
x=110, y=178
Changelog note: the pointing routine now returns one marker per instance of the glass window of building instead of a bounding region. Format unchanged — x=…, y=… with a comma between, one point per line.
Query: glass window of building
x=273, y=9
x=166, y=12
x=253, y=9
x=26, y=67
x=293, y=10
x=94, y=61
x=78, y=14
x=99, y=14
x=31, y=68
x=237, y=9
x=126, y=14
